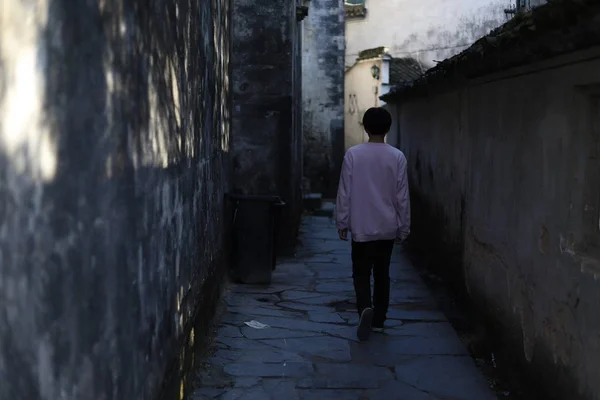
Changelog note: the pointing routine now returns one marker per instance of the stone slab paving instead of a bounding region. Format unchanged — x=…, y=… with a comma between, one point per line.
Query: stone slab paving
x=309, y=349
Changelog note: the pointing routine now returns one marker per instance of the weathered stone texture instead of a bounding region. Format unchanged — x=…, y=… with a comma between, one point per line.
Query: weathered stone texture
x=113, y=148
x=309, y=349
x=502, y=142
x=505, y=191
x=266, y=70
x=323, y=94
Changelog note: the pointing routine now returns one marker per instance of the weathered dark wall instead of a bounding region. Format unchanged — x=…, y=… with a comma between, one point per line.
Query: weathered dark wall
x=113, y=159
x=323, y=94
x=266, y=68
x=504, y=173
x=296, y=161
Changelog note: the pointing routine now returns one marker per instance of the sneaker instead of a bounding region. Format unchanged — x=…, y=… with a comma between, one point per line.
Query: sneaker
x=364, y=326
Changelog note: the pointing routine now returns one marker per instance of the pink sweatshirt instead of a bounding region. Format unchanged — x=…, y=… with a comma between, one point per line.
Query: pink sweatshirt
x=373, y=201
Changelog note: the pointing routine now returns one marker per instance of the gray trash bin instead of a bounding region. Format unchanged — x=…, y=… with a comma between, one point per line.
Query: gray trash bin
x=255, y=230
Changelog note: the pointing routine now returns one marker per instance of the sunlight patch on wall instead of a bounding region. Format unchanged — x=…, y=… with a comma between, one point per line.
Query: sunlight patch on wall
x=23, y=132
x=156, y=153
x=172, y=77
x=225, y=114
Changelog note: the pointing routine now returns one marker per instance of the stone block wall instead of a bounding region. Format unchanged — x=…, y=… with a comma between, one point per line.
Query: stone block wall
x=323, y=94
x=266, y=69
x=114, y=140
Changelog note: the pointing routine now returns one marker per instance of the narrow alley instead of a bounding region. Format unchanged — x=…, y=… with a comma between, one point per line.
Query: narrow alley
x=153, y=154
x=296, y=338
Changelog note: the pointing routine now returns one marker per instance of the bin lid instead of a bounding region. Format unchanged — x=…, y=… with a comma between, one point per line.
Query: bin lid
x=251, y=197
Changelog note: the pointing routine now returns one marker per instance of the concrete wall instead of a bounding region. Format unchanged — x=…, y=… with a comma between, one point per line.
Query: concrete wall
x=113, y=152
x=362, y=93
x=323, y=93
x=504, y=173
x=428, y=31
x=266, y=69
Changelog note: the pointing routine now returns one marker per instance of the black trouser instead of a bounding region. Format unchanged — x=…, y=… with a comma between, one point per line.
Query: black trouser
x=376, y=255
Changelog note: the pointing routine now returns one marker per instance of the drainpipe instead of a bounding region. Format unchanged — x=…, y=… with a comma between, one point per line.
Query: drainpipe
x=385, y=78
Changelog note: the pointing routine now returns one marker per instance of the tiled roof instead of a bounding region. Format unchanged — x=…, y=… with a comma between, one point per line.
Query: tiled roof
x=404, y=70
x=372, y=53
x=556, y=28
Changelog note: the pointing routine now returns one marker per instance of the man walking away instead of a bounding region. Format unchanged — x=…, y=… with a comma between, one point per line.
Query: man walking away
x=373, y=205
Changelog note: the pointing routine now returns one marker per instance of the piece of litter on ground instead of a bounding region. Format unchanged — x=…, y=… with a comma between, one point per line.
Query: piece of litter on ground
x=256, y=325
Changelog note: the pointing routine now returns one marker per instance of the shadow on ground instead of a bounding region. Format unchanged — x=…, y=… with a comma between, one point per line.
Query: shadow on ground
x=308, y=348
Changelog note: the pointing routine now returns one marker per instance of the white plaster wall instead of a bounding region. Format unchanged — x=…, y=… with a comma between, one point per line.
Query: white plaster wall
x=426, y=30
x=362, y=92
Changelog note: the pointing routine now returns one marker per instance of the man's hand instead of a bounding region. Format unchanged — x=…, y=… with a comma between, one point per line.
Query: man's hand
x=343, y=234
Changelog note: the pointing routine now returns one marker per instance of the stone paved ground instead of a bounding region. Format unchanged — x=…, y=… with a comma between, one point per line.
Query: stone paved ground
x=309, y=349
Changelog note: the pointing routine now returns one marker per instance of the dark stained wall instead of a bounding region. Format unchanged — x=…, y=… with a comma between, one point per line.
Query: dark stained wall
x=266, y=120
x=323, y=94
x=504, y=186
x=113, y=166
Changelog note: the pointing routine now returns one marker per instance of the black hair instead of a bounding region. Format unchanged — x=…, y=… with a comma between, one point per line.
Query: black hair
x=377, y=121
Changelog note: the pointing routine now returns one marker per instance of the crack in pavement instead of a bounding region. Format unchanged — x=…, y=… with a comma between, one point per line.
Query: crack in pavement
x=289, y=309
